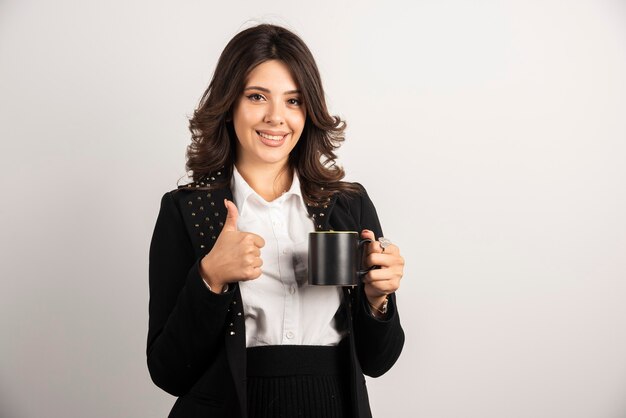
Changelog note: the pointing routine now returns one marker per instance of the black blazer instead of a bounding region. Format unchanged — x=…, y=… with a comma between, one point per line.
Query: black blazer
x=196, y=339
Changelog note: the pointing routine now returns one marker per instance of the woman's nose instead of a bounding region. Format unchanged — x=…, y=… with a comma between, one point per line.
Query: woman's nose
x=274, y=114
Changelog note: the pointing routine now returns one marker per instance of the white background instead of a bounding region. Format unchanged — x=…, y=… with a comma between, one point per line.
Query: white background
x=491, y=136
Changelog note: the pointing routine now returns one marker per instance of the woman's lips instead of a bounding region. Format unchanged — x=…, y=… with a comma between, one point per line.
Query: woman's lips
x=271, y=142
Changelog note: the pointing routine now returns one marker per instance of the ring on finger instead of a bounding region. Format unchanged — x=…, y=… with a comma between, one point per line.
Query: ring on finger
x=384, y=243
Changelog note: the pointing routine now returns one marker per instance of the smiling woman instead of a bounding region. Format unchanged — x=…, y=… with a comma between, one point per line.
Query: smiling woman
x=235, y=330
x=268, y=120
x=214, y=139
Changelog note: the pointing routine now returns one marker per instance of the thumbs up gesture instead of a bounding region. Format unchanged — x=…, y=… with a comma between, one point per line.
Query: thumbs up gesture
x=235, y=256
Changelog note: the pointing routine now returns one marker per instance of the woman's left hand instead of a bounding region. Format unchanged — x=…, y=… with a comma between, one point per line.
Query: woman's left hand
x=385, y=280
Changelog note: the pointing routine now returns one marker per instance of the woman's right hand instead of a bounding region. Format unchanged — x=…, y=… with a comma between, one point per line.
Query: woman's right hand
x=235, y=256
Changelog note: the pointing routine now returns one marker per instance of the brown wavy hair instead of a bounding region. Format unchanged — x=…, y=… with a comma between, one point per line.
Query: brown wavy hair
x=213, y=139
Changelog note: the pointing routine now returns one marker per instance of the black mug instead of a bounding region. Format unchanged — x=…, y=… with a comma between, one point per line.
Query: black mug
x=335, y=258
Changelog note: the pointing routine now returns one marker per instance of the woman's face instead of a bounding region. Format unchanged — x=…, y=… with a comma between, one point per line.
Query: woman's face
x=269, y=116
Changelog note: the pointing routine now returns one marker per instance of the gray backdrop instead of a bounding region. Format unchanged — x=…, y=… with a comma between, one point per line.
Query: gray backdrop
x=491, y=136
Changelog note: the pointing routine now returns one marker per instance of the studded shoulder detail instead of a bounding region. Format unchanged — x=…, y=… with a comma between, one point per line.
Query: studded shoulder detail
x=203, y=211
x=319, y=212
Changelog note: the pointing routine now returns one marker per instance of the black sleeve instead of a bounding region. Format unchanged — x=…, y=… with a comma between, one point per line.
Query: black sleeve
x=378, y=342
x=186, y=320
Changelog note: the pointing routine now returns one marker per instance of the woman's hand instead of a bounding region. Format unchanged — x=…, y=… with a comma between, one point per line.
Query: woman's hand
x=385, y=280
x=235, y=256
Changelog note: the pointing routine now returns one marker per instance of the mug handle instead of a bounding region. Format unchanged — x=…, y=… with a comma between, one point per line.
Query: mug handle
x=362, y=273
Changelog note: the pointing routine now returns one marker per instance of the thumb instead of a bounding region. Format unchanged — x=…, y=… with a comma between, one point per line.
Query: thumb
x=231, y=217
x=366, y=233
x=373, y=246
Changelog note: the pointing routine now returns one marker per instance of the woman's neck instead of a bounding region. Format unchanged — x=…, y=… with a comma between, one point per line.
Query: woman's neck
x=268, y=181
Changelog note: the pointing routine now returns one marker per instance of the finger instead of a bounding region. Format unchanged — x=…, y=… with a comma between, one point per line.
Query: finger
x=378, y=275
x=377, y=259
x=391, y=273
x=382, y=284
x=253, y=273
x=366, y=233
x=257, y=240
x=231, y=217
x=373, y=246
x=392, y=249
x=381, y=259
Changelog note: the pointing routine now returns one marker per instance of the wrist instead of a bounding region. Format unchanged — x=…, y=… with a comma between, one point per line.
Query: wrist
x=209, y=281
x=378, y=306
x=377, y=302
x=215, y=289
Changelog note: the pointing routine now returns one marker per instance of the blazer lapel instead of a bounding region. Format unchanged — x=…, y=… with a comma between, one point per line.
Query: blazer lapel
x=320, y=213
x=205, y=215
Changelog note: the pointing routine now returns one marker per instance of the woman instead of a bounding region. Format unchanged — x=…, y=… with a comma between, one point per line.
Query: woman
x=234, y=329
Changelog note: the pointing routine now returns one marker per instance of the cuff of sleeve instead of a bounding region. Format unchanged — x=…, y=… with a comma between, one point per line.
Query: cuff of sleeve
x=225, y=290
x=372, y=311
x=391, y=309
x=202, y=293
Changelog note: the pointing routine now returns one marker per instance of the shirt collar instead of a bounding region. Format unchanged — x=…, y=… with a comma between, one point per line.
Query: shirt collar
x=242, y=191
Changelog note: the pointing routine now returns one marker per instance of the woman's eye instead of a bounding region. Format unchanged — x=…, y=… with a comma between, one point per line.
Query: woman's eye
x=296, y=102
x=255, y=97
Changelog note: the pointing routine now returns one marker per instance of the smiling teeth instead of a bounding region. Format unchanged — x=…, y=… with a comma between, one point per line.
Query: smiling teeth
x=272, y=137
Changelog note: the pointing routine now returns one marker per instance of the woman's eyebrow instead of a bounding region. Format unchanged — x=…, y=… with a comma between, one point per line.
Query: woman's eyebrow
x=263, y=89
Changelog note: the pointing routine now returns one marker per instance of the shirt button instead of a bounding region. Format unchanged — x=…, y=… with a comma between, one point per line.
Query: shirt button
x=285, y=251
x=292, y=290
x=289, y=335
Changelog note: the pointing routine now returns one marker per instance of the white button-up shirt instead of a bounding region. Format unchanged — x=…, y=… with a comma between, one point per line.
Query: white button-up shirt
x=279, y=306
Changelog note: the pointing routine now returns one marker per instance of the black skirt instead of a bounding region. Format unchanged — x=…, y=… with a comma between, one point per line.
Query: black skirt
x=290, y=381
